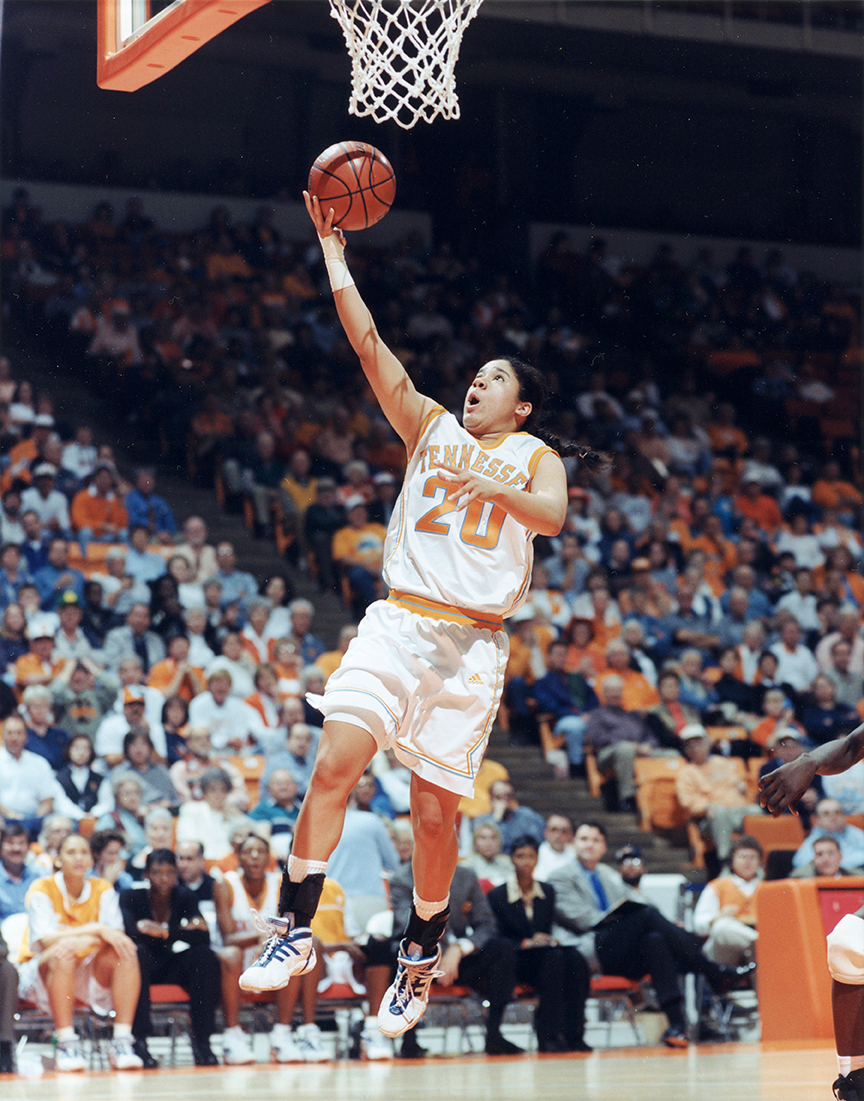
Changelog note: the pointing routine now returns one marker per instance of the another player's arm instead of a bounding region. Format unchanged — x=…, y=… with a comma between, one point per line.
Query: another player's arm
x=783, y=787
x=402, y=405
x=543, y=508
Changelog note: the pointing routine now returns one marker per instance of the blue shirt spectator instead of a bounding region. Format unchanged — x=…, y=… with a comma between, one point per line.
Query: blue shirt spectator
x=146, y=508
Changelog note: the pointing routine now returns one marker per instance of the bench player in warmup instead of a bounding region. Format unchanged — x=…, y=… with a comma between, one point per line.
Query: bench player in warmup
x=425, y=673
x=781, y=789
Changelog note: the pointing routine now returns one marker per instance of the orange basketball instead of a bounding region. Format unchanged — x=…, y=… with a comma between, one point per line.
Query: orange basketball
x=357, y=180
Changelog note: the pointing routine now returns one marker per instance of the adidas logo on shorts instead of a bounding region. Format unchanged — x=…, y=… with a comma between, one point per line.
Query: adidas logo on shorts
x=476, y=679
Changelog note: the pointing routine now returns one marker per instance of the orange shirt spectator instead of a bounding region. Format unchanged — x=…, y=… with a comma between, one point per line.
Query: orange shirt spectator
x=761, y=507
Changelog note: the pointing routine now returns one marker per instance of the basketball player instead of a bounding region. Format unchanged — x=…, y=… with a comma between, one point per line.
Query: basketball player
x=781, y=790
x=425, y=673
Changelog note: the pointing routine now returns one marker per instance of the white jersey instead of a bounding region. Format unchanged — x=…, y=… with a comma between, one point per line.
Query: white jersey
x=241, y=907
x=479, y=558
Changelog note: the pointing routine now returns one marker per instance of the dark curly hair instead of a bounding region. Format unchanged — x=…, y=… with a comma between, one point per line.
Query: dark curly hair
x=534, y=388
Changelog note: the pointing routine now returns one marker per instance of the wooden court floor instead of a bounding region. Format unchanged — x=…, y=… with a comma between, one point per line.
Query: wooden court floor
x=717, y=1072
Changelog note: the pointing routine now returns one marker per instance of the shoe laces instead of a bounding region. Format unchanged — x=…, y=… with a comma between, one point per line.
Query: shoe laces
x=413, y=980
x=275, y=926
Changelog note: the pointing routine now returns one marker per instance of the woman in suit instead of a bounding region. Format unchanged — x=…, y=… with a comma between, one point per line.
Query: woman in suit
x=157, y=919
x=524, y=909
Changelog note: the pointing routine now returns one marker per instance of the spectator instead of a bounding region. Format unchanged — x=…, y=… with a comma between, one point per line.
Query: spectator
x=39, y=665
x=618, y=738
x=486, y=859
x=831, y=822
x=52, y=973
x=175, y=720
x=848, y=630
x=849, y=686
x=236, y=661
x=70, y=641
x=323, y=518
x=110, y=736
x=120, y=590
x=358, y=553
x=57, y=576
x=199, y=758
x=142, y=565
x=13, y=573
x=80, y=698
x=824, y=718
x=524, y=910
x=26, y=779
x=796, y=665
x=34, y=545
x=511, y=819
x=310, y=647
x=237, y=585
x=134, y=639
x=567, y=697
x=139, y=759
x=827, y=861
x=13, y=640
x=161, y=920
x=147, y=509
x=98, y=515
x=196, y=550
x=79, y=785
x=556, y=849
x=298, y=756
x=126, y=815
x=232, y=723
x=43, y=737
x=668, y=718
x=175, y=675
x=640, y=941
x=726, y=910
x=49, y=504
x=279, y=809
x=711, y=790
x=209, y=819
x=17, y=872
x=638, y=693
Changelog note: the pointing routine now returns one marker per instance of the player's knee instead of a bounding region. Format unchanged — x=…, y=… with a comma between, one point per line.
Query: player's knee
x=846, y=951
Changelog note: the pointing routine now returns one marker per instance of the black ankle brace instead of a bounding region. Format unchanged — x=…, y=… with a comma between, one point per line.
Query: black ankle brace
x=300, y=899
x=426, y=931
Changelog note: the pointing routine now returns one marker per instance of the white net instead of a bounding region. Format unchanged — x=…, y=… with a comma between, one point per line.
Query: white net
x=403, y=56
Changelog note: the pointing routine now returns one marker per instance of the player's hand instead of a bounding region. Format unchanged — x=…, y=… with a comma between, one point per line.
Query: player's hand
x=322, y=220
x=781, y=789
x=465, y=486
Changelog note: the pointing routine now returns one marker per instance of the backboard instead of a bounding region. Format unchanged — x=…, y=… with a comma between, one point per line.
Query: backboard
x=140, y=40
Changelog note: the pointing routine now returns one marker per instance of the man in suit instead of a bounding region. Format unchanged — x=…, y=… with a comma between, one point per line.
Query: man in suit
x=634, y=942
x=133, y=639
x=472, y=951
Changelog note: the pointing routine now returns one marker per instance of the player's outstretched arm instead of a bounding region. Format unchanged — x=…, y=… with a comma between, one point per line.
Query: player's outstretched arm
x=783, y=787
x=400, y=402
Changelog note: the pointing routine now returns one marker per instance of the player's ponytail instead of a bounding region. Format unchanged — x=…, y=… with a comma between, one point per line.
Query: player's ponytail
x=534, y=389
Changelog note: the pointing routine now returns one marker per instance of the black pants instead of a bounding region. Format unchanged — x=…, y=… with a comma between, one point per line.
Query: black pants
x=644, y=942
x=562, y=981
x=196, y=970
x=559, y=975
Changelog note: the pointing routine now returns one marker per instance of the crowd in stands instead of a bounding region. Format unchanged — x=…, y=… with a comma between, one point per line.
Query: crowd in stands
x=704, y=599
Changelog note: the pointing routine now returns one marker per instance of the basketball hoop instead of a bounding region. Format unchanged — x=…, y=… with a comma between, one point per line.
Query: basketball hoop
x=403, y=57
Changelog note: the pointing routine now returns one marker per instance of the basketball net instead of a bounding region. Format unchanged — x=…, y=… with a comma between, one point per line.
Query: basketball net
x=403, y=58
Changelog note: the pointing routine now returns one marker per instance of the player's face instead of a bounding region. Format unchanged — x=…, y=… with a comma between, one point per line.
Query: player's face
x=492, y=400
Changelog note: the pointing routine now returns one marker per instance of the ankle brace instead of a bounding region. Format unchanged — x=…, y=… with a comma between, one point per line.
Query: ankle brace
x=426, y=932
x=300, y=900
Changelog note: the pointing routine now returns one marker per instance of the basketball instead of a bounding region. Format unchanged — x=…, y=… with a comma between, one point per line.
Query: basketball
x=357, y=180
